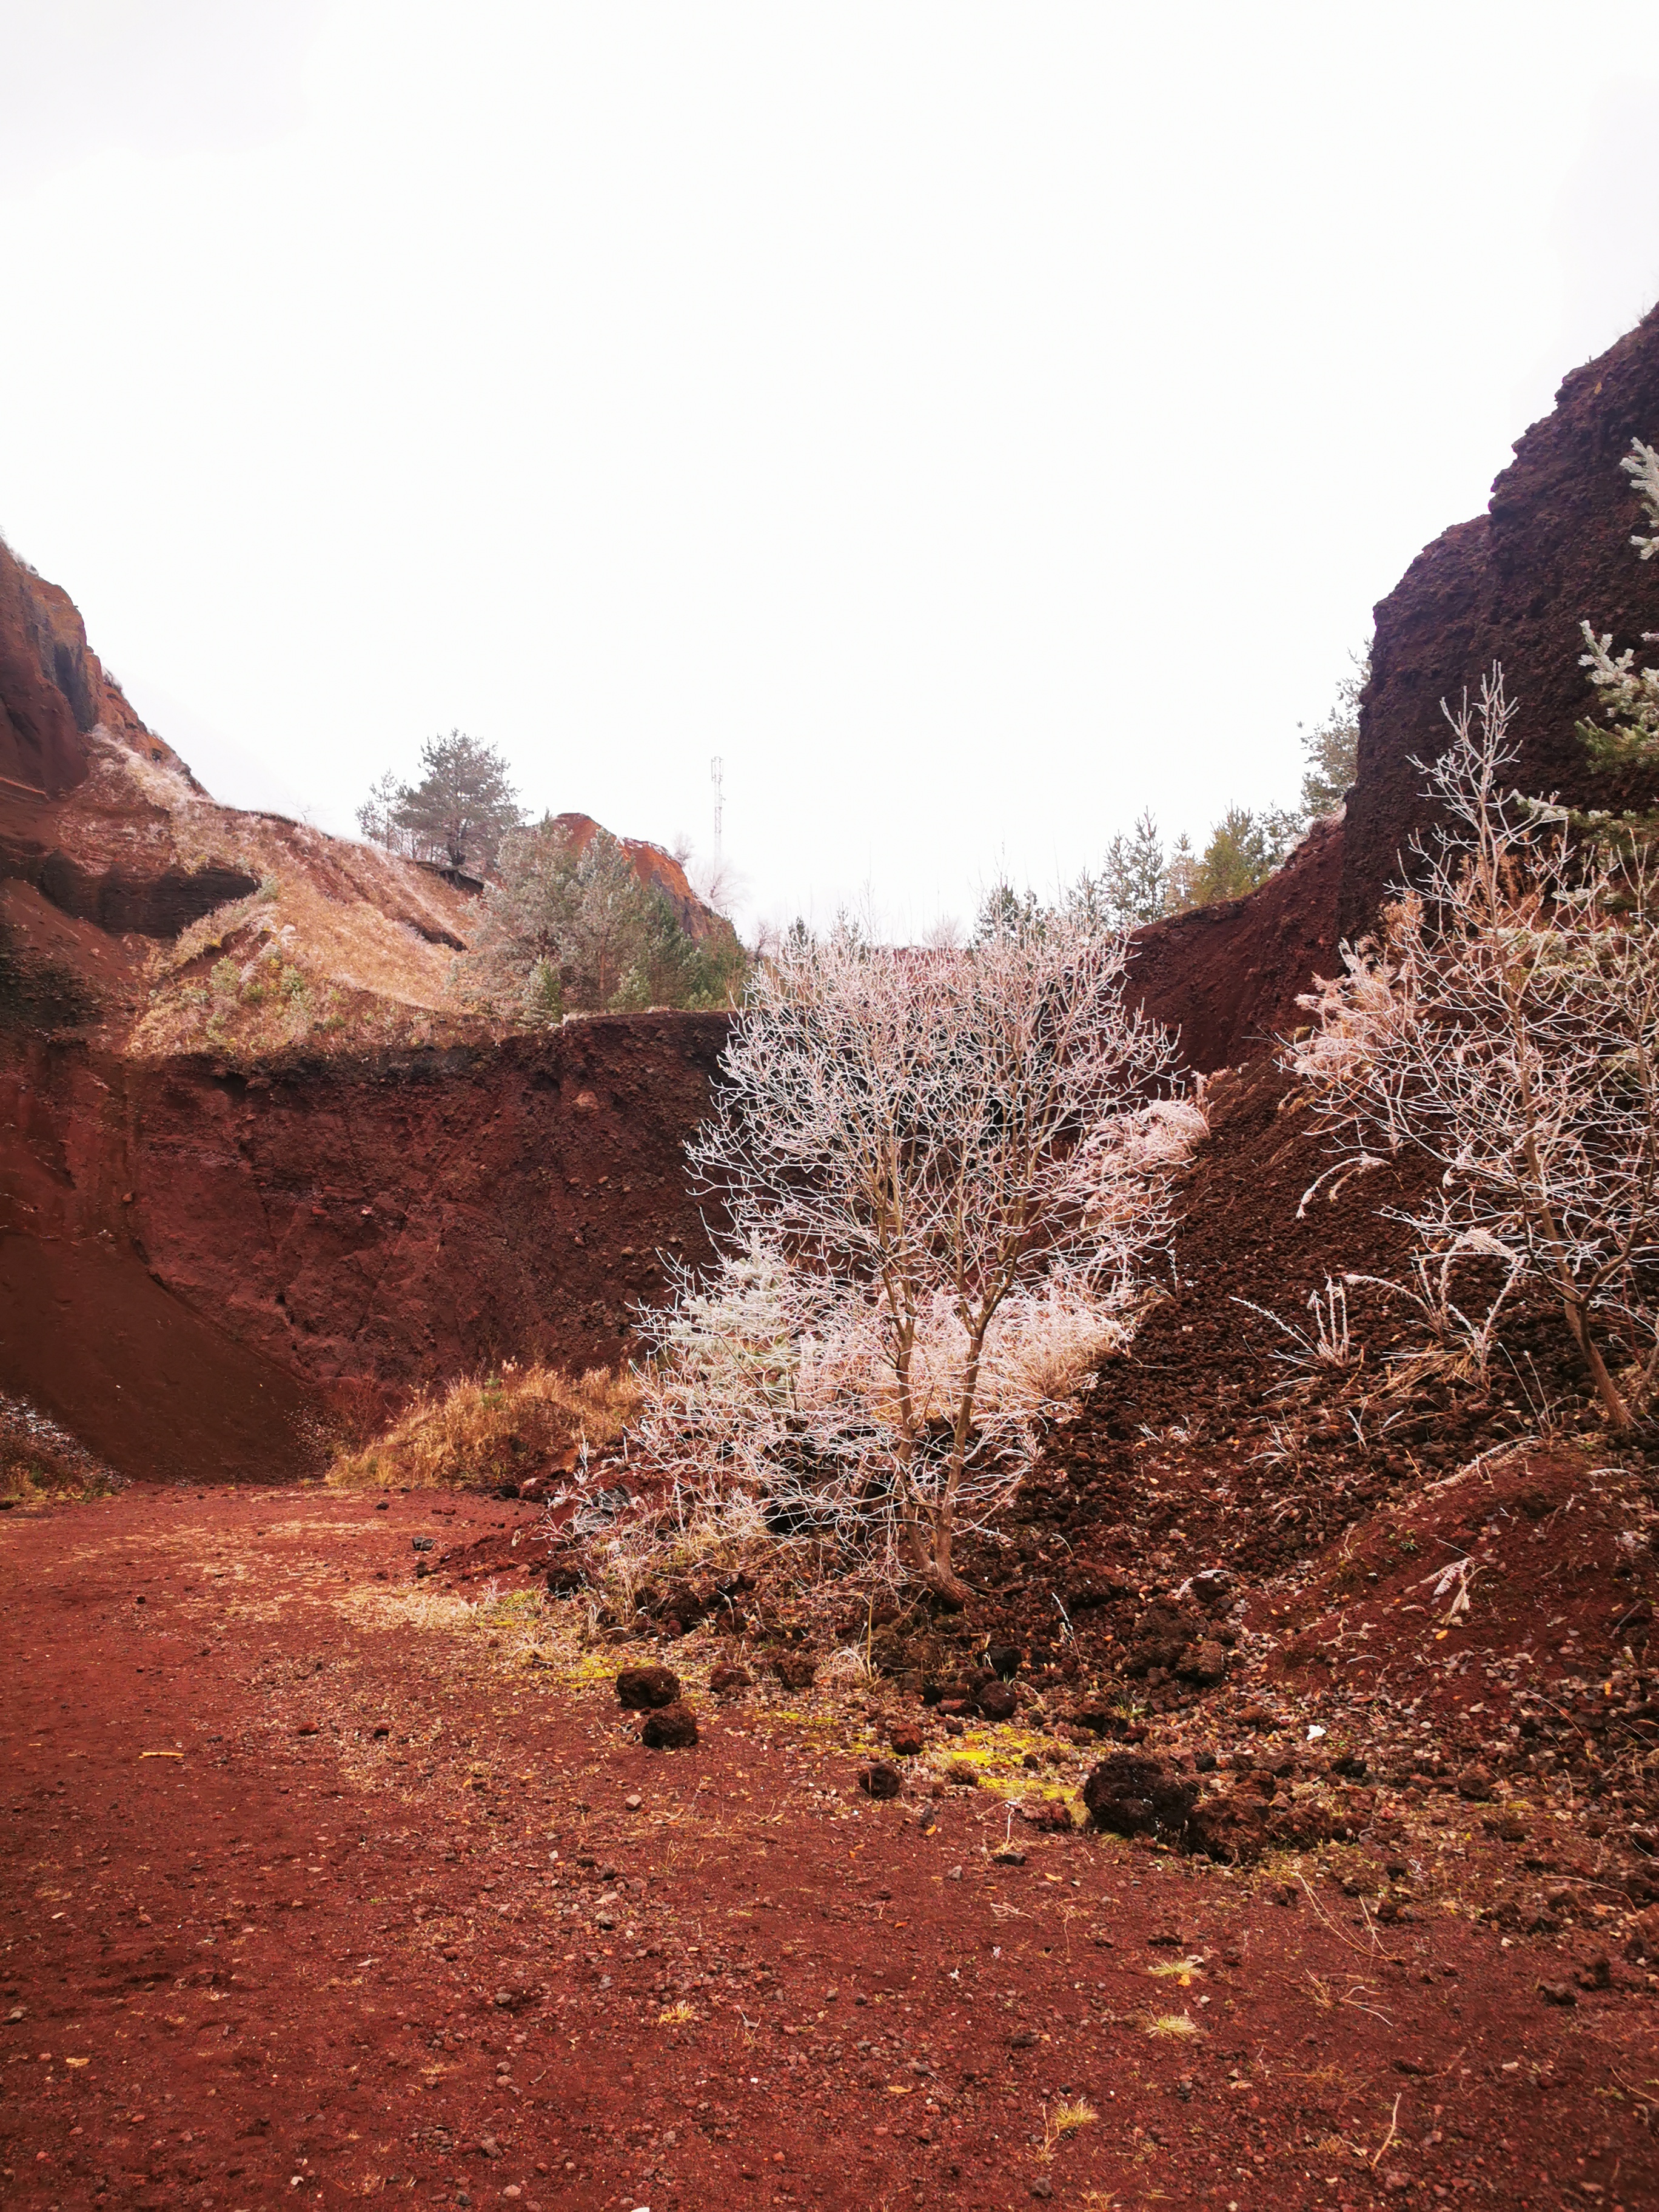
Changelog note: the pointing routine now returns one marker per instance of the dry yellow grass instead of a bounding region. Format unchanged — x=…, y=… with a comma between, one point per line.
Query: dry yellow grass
x=310, y=958
x=503, y=1428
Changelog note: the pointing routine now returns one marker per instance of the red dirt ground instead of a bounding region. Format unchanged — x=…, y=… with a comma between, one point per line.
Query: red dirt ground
x=283, y=1923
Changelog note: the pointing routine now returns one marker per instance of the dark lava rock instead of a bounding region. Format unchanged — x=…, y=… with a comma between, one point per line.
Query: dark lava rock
x=1596, y=1972
x=1214, y=1588
x=1099, y=1720
x=795, y=1670
x=1133, y=1796
x=1475, y=1783
x=640, y=1688
x=905, y=1738
x=1204, y=1663
x=880, y=1779
x=1161, y=1635
x=681, y=1608
x=996, y=1702
x=1231, y=1829
x=670, y=1728
x=726, y=1679
x=1052, y=1815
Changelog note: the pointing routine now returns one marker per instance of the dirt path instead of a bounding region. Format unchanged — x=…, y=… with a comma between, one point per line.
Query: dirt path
x=284, y=1923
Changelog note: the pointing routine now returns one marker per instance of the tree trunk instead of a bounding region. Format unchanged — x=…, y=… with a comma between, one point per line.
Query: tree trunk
x=927, y=1538
x=1618, y=1413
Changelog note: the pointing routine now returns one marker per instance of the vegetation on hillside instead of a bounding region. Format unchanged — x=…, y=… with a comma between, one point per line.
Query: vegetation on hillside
x=298, y=964
x=566, y=926
x=1141, y=879
x=457, y=811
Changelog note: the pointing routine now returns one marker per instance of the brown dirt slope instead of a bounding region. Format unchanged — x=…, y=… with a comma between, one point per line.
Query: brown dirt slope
x=1227, y=976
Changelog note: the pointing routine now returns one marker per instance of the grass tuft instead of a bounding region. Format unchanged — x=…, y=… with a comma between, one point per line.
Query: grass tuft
x=478, y=1435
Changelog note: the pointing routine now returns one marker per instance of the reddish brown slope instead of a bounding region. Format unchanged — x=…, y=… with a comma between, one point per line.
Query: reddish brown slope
x=341, y=1229
x=1227, y=976
x=1512, y=585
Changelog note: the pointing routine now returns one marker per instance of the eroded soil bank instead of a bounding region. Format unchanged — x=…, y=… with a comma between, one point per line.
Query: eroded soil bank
x=284, y=1922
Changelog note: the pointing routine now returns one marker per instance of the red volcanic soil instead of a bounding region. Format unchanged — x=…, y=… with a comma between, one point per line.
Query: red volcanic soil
x=285, y=1923
x=1226, y=977
x=199, y=1265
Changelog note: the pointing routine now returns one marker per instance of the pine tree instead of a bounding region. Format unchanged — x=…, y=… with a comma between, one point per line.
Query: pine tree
x=1133, y=876
x=1332, y=747
x=463, y=805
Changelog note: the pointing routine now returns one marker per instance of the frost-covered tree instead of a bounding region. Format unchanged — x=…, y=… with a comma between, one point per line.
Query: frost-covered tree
x=1135, y=876
x=1504, y=1026
x=940, y=1172
x=1629, y=695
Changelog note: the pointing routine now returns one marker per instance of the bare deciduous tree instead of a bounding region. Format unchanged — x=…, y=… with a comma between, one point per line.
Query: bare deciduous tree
x=941, y=1169
x=1506, y=1024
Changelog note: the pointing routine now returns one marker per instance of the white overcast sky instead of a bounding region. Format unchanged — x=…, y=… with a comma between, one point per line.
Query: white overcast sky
x=974, y=423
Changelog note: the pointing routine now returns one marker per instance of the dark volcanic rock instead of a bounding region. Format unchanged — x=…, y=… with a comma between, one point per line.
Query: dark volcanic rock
x=996, y=1701
x=880, y=1779
x=670, y=1728
x=640, y=1688
x=725, y=1679
x=1204, y=1663
x=1552, y=550
x=1133, y=1796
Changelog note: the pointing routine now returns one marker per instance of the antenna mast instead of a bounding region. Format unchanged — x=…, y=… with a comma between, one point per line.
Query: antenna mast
x=717, y=777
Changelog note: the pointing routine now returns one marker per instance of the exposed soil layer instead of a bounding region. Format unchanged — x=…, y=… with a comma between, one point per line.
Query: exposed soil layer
x=323, y=1236
x=1226, y=977
x=283, y=1922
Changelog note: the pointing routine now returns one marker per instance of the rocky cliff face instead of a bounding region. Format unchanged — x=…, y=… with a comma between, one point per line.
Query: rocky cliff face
x=53, y=690
x=206, y=1263
x=1512, y=585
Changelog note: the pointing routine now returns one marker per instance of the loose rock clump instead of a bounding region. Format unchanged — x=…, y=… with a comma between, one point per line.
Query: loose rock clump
x=670, y=1728
x=642, y=1689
